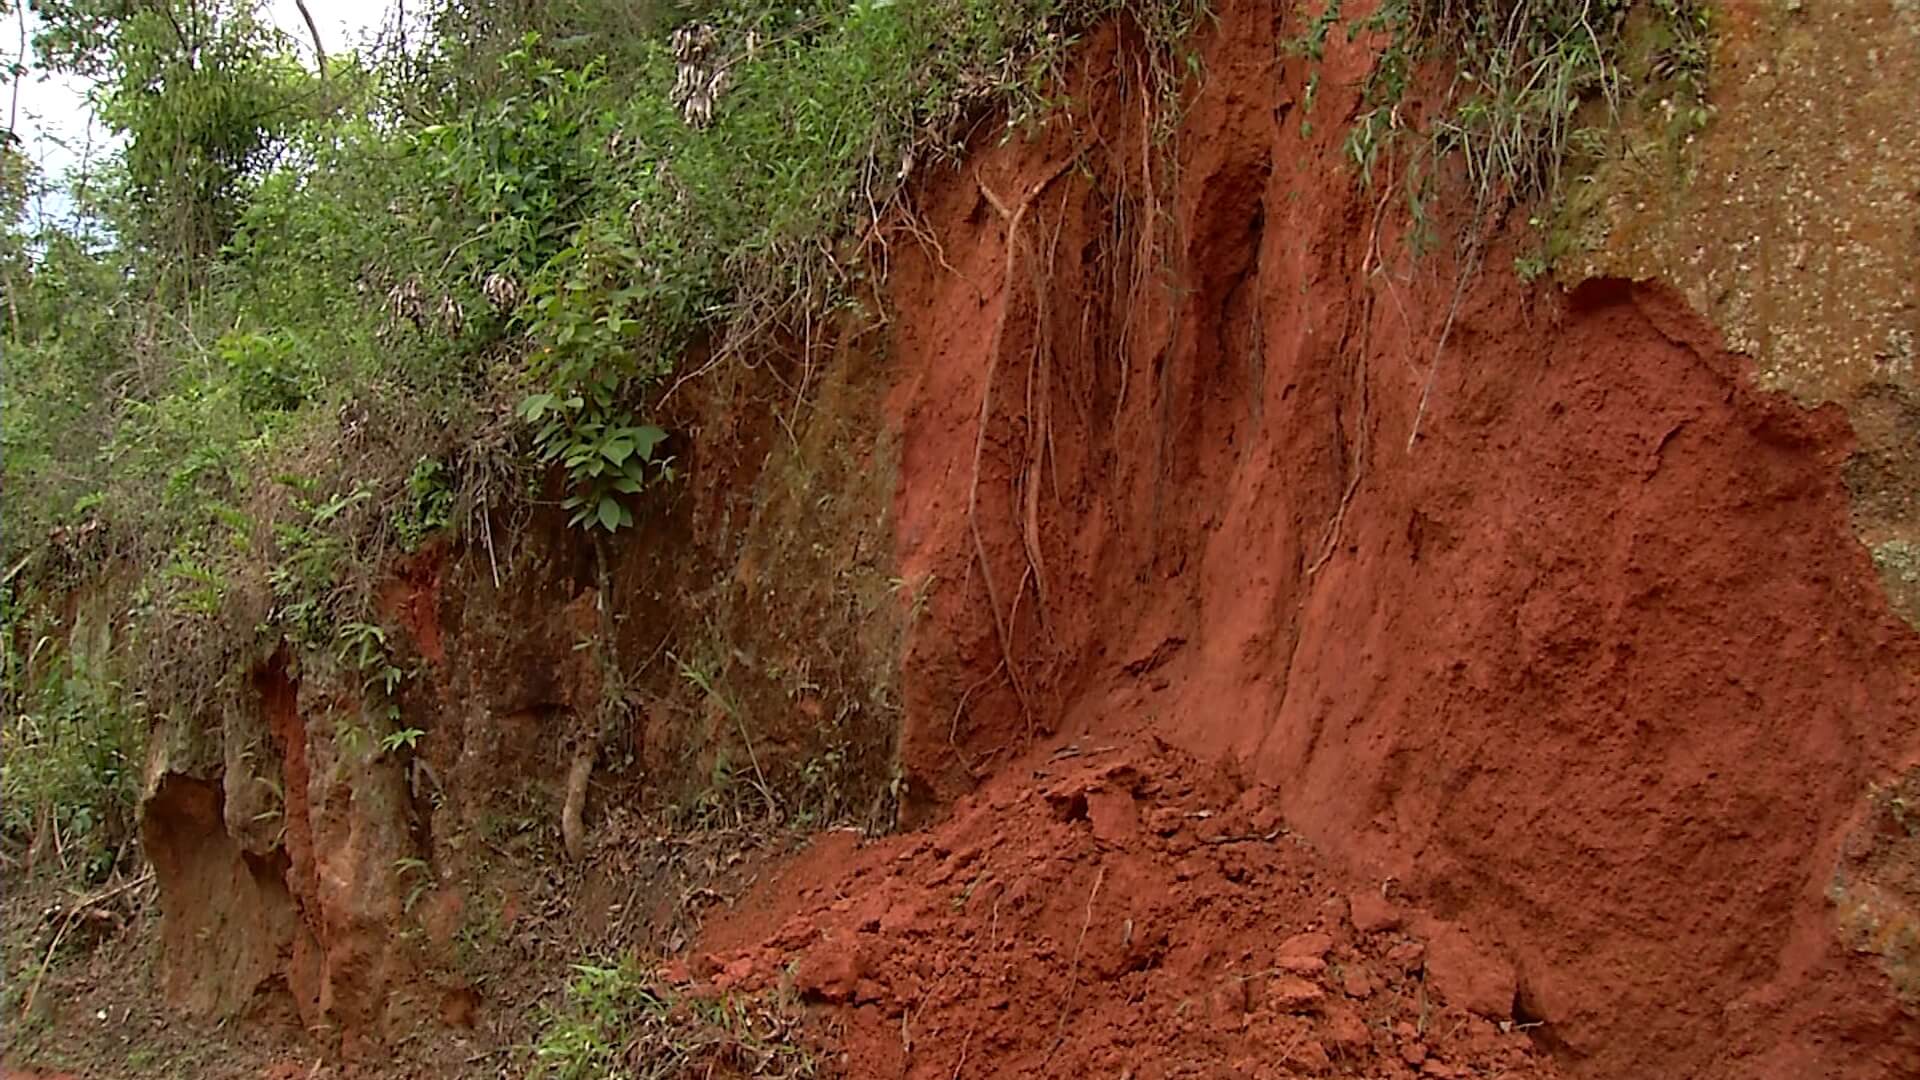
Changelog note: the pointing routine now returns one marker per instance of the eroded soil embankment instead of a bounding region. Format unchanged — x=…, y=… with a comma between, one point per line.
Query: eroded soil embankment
x=1559, y=629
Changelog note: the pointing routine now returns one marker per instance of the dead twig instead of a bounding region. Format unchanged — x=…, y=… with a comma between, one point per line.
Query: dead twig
x=1266, y=838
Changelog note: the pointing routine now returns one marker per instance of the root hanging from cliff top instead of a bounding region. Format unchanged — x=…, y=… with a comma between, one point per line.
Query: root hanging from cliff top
x=1039, y=411
x=1143, y=257
x=1369, y=265
x=1014, y=218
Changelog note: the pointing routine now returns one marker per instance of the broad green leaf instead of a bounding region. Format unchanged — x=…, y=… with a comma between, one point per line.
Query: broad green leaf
x=534, y=406
x=645, y=438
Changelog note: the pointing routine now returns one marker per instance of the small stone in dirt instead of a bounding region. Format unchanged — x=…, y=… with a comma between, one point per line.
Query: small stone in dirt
x=1312, y=944
x=1290, y=993
x=1413, y=1053
x=1372, y=913
x=1407, y=956
x=1357, y=982
x=1304, y=954
x=1300, y=965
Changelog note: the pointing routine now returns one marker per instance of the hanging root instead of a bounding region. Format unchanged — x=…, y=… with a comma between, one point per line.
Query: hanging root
x=1040, y=441
x=1143, y=255
x=1014, y=217
x=1330, y=538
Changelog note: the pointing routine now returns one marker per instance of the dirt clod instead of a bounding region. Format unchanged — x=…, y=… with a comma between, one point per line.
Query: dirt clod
x=1373, y=913
x=1464, y=973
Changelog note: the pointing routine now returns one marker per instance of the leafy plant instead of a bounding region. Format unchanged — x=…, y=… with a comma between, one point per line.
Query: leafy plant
x=616, y=1022
x=1312, y=41
x=604, y=457
x=428, y=507
x=431, y=278
x=403, y=739
x=71, y=759
x=202, y=90
x=363, y=646
x=1525, y=73
x=303, y=579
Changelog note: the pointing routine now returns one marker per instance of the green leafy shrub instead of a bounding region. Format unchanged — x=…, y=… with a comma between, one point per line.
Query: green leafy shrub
x=71, y=762
x=268, y=370
x=428, y=507
x=444, y=270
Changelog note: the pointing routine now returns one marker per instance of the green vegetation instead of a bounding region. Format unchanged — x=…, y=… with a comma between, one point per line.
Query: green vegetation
x=1534, y=98
x=306, y=320
x=614, y=1022
x=71, y=772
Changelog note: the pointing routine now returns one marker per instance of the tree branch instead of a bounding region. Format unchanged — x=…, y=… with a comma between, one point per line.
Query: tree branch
x=319, y=51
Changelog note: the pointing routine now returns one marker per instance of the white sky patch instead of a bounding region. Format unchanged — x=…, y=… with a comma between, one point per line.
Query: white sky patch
x=52, y=114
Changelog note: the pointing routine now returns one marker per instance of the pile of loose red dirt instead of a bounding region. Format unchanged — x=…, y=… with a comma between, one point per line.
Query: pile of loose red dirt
x=1121, y=912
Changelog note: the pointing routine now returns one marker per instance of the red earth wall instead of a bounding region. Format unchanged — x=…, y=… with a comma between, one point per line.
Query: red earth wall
x=1558, y=631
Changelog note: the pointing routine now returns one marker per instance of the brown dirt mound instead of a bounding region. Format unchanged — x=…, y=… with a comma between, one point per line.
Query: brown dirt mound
x=1123, y=912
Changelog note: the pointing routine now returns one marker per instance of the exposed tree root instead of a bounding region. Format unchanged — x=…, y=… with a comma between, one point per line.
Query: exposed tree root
x=1014, y=218
x=1330, y=538
x=1040, y=439
x=592, y=722
x=579, y=772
